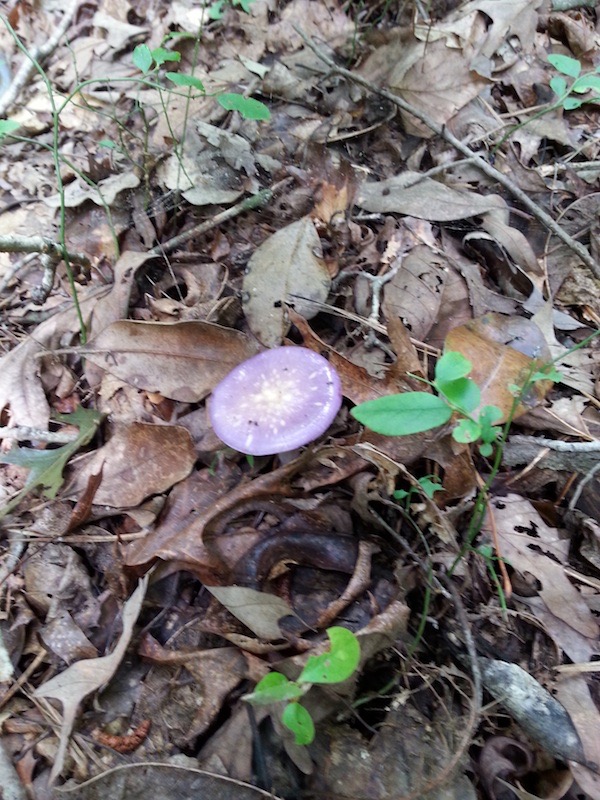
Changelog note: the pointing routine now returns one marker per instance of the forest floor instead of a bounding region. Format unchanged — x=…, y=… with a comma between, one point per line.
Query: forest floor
x=410, y=190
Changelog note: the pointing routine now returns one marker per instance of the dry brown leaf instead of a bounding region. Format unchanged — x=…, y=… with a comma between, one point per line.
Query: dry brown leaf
x=183, y=360
x=575, y=695
x=286, y=268
x=258, y=611
x=138, y=460
x=498, y=366
x=104, y=193
x=435, y=80
x=411, y=194
x=320, y=21
x=530, y=545
x=88, y=675
x=20, y=384
x=415, y=292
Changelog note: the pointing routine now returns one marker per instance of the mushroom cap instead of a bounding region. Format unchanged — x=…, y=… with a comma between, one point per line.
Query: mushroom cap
x=276, y=401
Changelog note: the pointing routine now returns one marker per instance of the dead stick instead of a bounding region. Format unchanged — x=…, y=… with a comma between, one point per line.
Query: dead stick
x=248, y=204
x=34, y=57
x=40, y=244
x=479, y=162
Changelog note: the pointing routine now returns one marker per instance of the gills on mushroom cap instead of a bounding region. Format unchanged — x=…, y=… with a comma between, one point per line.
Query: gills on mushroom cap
x=276, y=401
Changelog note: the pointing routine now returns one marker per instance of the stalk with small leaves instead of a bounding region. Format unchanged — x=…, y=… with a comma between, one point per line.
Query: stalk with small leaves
x=334, y=666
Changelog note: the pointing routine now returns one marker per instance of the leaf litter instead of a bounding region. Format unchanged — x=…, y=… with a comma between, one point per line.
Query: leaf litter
x=377, y=245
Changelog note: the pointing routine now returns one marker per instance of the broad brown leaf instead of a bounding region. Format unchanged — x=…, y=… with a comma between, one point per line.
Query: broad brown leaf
x=138, y=460
x=498, y=366
x=183, y=361
x=286, y=267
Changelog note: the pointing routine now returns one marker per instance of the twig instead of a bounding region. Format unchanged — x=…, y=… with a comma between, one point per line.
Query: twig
x=582, y=484
x=359, y=582
x=248, y=204
x=34, y=57
x=40, y=244
x=31, y=435
x=560, y=446
x=477, y=160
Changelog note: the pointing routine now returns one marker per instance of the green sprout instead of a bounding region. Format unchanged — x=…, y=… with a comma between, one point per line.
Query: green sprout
x=334, y=666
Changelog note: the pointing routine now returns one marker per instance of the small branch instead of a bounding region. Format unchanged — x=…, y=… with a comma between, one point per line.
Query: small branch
x=248, y=204
x=34, y=57
x=24, y=434
x=478, y=161
x=40, y=244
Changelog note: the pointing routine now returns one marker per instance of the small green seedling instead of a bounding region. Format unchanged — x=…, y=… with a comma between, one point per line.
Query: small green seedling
x=415, y=412
x=581, y=89
x=429, y=485
x=333, y=666
x=149, y=62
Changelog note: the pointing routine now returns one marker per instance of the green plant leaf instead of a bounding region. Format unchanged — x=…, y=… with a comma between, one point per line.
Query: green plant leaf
x=7, y=126
x=248, y=107
x=108, y=144
x=486, y=449
x=403, y=414
x=142, y=58
x=338, y=663
x=558, y=85
x=243, y=4
x=46, y=466
x=297, y=719
x=549, y=373
x=462, y=393
x=273, y=688
x=181, y=79
x=450, y=366
x=587, y=82
x=161, y=56
x=570, y=103
x=565, y=64
x=215, y=10
x=430, y=486
x=488, y=416
x=466, y=431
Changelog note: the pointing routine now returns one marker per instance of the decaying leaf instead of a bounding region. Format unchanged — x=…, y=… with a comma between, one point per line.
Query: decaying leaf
x=103, y=194
x=258, y=611
x=21, y=389
x=439, y=85
x=182, y=360
x=499, y=369
x=287, y=268
x=86, y=676
x=137, y=461
x=414, y=294
x=412, y=194
x=529, y=545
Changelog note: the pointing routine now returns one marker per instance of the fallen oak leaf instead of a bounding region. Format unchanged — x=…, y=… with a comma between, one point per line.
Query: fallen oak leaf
x=46, y=466
x=86, y=676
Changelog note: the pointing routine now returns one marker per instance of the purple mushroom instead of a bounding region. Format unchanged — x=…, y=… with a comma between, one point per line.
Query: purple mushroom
x=276, y=401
